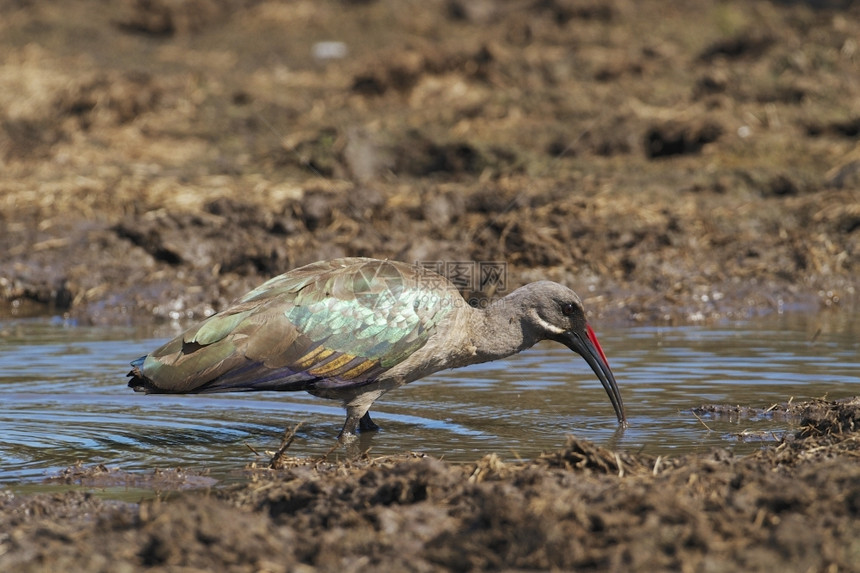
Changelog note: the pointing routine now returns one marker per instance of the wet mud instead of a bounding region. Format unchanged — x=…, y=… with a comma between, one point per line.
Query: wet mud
x=671, y=162
x=793, y=506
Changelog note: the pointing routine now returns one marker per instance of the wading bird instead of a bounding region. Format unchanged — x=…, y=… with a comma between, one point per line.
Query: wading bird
x=352, y=329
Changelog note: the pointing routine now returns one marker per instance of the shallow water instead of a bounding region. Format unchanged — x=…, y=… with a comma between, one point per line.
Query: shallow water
x=63, y=398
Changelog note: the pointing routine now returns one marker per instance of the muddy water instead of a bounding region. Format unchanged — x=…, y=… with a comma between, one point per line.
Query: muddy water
x=63, y=399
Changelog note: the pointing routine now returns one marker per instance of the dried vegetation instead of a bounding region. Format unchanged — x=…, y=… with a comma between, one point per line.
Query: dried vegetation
x=674, y=162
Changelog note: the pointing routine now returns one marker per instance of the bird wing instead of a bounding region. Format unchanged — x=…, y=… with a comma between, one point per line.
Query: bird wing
x=337, y=324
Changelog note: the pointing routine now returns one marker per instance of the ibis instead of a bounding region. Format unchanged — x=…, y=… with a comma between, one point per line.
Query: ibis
x=351, y=329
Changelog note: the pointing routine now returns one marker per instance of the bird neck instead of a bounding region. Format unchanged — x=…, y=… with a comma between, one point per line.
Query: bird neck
x=502, y=328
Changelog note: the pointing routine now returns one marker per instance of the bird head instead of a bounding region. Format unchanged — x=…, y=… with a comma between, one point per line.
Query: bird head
x=558, y=315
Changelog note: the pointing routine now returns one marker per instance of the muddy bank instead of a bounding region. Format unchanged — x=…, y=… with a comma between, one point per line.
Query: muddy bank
x=669, y=162
x=794, y=506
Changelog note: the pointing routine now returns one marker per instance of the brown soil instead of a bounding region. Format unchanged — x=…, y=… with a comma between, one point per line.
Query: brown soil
x=793, y=507
x=670, y=161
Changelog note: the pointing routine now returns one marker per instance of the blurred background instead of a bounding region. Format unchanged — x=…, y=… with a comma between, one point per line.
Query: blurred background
x=670, y=161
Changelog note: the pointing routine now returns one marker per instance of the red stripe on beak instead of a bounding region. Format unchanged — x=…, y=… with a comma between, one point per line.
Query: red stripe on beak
x=593, y=338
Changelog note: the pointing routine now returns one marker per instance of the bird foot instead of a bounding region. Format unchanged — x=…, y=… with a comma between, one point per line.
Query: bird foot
x=366, y=424
x=353, y=446
x=348, y=435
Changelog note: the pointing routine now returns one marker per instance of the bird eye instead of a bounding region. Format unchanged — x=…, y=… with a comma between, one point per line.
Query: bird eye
x=567, y=308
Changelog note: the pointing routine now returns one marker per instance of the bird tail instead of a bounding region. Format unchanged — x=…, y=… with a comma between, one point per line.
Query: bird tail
x=248, y=377
x=139, y=382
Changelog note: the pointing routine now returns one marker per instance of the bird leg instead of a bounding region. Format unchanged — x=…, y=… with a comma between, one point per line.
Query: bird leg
x=353, y=422
x=354, y=415
x=366, y=424
x=357, y=416
x=347, y=433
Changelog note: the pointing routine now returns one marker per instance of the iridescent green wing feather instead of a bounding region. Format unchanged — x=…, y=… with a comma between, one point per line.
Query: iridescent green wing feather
x=335, y=324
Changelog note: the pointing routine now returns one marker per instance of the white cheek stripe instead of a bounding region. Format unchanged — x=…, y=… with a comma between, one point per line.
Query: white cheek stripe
x=549, y=326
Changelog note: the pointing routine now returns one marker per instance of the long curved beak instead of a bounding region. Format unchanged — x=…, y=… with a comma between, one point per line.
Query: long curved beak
x=586, y=345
